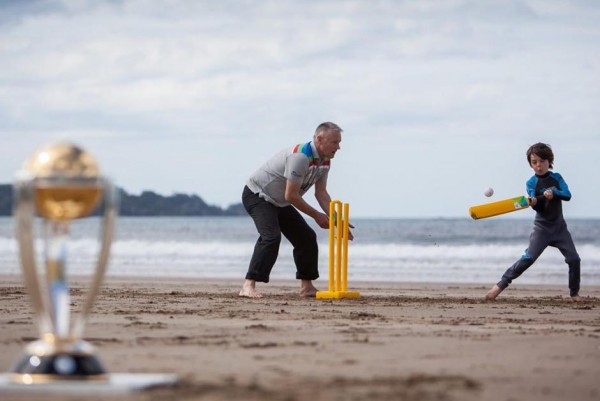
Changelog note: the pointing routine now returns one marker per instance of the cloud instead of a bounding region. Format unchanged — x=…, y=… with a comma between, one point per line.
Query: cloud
x=409, y=81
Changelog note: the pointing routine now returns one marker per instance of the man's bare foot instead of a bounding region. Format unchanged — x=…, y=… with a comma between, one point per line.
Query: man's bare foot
x=577, y=298
x=493, y=293
x=249, y=290
x=307, y=289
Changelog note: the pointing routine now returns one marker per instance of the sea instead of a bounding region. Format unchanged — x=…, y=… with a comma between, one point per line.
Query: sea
x=384, y=250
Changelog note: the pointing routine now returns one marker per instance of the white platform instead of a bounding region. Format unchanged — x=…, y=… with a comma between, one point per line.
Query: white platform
x=117, y=383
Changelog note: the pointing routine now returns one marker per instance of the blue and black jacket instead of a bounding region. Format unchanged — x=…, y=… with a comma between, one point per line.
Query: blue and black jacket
x=549, y=210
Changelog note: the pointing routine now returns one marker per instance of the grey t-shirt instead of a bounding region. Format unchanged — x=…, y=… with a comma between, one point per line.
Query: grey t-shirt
x=300, y=164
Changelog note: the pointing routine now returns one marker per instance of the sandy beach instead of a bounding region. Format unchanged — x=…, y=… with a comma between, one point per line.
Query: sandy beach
x=409, y=341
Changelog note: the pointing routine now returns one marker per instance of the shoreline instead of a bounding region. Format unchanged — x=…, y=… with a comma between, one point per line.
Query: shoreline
x=291, y=284
x=410, y=341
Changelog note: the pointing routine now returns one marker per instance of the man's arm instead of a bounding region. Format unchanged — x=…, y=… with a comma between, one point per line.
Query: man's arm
x=322, y=195
x=324, y=200
x=292, y=195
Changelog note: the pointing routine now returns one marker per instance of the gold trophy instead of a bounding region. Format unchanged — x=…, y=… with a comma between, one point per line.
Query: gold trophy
x=60, y=183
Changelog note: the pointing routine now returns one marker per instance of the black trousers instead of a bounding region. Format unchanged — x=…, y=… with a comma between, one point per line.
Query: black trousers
x=271, y=222
x=542, y=237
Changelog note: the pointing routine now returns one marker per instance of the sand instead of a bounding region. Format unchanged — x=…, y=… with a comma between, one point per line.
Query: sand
x=409, y=341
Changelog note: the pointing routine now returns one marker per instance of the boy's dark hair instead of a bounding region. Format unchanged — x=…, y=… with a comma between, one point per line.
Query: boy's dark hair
x=543, y=151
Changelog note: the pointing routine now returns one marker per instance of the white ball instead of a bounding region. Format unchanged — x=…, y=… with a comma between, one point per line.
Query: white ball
x=488, y=192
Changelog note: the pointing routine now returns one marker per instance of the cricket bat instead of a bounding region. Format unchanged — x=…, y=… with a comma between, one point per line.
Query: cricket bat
x=500, y=207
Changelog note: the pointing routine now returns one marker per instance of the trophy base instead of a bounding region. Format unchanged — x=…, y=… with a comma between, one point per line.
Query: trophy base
x=50, y=360
x=71, y=366
x=48, y=368
x=114, y=383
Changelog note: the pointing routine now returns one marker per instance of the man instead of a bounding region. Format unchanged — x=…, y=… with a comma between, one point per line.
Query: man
x=273, y=196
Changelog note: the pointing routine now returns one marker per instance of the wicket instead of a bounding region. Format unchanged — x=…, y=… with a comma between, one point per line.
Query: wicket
x=339, y=216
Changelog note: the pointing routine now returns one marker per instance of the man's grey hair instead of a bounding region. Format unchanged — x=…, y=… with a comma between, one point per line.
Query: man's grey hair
x=326, y=127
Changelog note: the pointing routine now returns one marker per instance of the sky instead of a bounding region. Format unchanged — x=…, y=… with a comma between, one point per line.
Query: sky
x=438, y=100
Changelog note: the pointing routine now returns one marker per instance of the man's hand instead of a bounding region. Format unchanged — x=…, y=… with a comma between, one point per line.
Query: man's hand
x=322, y=220
x=350, y=236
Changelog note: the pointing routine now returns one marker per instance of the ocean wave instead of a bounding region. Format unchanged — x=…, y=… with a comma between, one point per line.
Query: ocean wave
x=368, y=262
x=383, y=252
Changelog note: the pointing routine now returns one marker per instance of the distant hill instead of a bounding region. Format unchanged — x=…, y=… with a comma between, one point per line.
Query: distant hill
x=148, y=203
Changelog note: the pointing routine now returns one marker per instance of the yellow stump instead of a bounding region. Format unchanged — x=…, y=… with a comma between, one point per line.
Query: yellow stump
x=338, y=253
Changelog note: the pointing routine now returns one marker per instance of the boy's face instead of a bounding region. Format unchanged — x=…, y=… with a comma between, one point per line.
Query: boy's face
x=539, y=165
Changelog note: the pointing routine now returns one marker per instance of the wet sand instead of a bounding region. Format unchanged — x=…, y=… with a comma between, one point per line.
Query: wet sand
x=408, y=341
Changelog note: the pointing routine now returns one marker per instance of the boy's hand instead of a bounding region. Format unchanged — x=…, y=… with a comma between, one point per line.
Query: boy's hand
x=533, y=201
x=548, y=194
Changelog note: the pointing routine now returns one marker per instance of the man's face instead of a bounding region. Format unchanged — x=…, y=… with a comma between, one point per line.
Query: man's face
x=328, y=143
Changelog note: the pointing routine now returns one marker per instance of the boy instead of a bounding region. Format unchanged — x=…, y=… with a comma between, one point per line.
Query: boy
x=546, y=190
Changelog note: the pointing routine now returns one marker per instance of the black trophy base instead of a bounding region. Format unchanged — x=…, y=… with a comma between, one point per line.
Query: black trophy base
x=33, y=369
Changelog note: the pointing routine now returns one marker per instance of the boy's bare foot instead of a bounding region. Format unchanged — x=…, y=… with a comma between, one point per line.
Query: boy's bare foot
x=249, y=290
x=307, y=289
x=493, y=293
x=577, y=298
